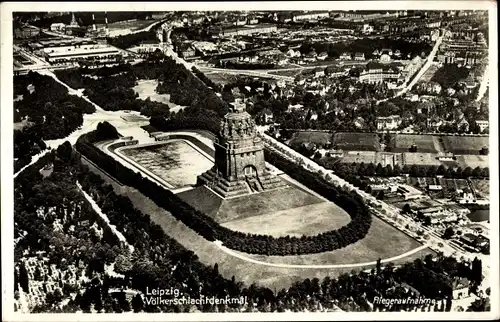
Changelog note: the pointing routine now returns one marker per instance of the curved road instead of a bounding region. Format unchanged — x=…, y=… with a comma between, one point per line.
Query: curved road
x=218, y=243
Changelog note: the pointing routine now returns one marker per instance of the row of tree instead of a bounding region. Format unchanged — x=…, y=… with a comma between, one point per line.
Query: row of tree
x=249, y=243
x=371, y=169
x=159, y=261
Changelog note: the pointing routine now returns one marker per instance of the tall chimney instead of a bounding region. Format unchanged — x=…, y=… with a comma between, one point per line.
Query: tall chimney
x=106, y=21
x=93, y=23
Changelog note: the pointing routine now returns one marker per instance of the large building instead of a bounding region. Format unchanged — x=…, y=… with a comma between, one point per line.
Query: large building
x=239, y=158
x=377, y=72
x=388, y=123
x=62, y=51
x=311, y=15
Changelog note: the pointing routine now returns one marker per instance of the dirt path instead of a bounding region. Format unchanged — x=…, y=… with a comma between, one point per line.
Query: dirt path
x=353, y=265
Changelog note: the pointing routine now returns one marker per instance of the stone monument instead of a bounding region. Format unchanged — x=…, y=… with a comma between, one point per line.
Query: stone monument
x=239, y=158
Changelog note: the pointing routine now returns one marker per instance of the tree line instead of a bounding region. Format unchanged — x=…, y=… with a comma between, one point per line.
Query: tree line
x=249, y=243
x=371, y=169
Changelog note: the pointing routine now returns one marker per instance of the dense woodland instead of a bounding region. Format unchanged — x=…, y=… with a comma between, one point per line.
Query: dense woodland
x=49, y=112
x=157, y=256
x=367, y=46
x=111, y=88
x=133, y=39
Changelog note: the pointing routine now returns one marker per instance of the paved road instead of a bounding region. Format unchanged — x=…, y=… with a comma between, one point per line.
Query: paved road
x=391, y=211
x=218, y=243
x=421, y=72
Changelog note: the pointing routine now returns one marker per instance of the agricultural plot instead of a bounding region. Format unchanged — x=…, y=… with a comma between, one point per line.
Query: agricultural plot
x=424, y=143
x=176, y=161
x=465, y=144
x=356, y=141
x=318, y=138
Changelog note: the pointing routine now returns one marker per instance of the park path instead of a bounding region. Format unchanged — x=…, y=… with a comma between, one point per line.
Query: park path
x=90, y=121
x=98, y=210
x=219, y=244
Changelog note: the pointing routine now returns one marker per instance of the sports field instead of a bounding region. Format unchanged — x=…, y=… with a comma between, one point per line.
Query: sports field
x=424, y=143
x=470, y=160
x=351, y=141
x=418, y=158
x=465, y=144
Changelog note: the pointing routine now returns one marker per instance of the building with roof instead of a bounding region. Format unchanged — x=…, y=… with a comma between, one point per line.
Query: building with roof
x=311, y=15
x=82, y=52
x=376, y=72
x=359, y=56
x=346, y=56
x=248, y=30
x=460, y=288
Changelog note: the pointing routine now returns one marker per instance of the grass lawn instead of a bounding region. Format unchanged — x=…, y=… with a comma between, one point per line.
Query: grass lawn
x=351, y=141
x=382, y=241
x=417, y=158
x=306, y=220
x=263, y=203
x=470, y=160
x=424, y=143
x=202, y=199
x=465, y=144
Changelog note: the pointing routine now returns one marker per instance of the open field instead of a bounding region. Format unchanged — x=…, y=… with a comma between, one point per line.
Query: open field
x=465, y=144
x=306, y=220
x=382, y=241
x=384, y=158
x=318, y=138
x=176, y=161
x=469, y=160
x=127, y=25
x=146, y=88
x=424, y=143
x=418, y=158
x=351, y=141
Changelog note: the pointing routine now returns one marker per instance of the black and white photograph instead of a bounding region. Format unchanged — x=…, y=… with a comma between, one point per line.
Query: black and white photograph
x=251, y=160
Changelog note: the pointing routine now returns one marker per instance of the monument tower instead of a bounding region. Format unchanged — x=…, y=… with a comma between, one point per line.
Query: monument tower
x=239, y=158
